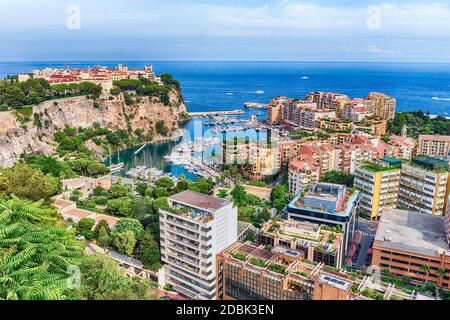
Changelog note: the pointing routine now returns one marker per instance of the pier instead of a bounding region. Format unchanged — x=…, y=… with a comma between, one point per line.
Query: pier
x=140, y=149
x=215, y=113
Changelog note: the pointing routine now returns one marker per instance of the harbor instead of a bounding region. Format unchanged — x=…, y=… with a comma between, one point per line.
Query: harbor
x=190, y=154
x=215, y=113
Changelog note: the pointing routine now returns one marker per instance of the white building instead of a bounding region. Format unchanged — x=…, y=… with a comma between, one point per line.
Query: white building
x=194, y=230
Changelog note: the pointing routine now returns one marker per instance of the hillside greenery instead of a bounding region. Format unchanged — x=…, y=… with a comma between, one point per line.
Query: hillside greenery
x=16, y=95
x=419, y=122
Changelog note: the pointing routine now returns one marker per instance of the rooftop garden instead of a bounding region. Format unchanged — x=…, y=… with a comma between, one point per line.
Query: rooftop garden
x=240, y=256
x=277, y=268
x=375, y=167
x=301, y=273
x=258, y=262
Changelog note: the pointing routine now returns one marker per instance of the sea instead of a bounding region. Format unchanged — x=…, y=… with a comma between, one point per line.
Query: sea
x=216, y=86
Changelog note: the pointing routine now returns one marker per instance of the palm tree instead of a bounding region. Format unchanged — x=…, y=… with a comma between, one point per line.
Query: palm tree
x=441, y=274
x=35, y=253
x=425, y=270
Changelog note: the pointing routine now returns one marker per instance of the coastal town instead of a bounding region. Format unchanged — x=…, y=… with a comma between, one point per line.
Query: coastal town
x=326, y=197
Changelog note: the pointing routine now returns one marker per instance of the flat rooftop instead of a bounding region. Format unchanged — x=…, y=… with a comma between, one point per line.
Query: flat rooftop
x=411, y=231
x=199, y=200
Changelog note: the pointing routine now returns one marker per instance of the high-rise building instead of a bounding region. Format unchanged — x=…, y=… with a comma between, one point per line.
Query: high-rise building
x=435, y=146
x=250, y=272
x=424, y=184
x=378, y=183
x=194, y=230
x=302, y=174
x=328, y=204
x=383, y=106
x=414, y=245
x=274, y=114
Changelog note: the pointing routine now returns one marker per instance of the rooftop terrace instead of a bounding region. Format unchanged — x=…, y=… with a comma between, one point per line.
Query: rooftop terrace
x=412, y=231
x=327, y=198
x=199, y=201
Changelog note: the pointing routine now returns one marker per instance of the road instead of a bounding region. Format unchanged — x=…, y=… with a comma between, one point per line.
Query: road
x=368, y=230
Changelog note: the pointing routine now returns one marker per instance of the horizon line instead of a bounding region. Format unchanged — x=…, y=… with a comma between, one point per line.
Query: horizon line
x=248, y=61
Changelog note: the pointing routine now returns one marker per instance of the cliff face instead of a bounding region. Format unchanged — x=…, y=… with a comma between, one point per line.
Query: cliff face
x=79, y=112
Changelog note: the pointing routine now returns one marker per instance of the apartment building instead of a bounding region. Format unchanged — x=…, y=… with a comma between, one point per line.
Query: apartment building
x=350, y=156
x=324, y=100
x=274, y=114
x=318, y=243
x=383, y=105
x=194, y=230
x=250, y=272
x=378, y=183
x=424, y=185
x=376, y=128
x=434, y=145
x=263, y=159
x=302, y=174
x=328, y=204
x=334, y=124
x=405, y=148
x=308, y=117
x=413, y=244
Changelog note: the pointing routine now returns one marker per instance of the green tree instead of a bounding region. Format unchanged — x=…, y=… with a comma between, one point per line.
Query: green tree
x=124, y=242
x=119, y=190
x=280, y=197
x=27, y=182
x=121, y=207
x=339, y=178
x=205, y=186
x=165, y=182
x=14, y=97
x=103, y=237
x=102, y=279
x=84, y=227
x=161, y=128
x=129, y=224
x=141, y=188
x=148, y=252
x=239, y=195
x=101, y=225
x=35, y=253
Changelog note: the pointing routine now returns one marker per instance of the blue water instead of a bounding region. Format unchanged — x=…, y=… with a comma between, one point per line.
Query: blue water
x=210, y=86
x=227, y=85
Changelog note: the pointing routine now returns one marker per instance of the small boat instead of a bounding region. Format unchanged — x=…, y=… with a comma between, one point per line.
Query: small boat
x=305, y=78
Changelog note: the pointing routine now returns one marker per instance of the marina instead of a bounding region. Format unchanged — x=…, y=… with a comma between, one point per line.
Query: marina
x=215, y=113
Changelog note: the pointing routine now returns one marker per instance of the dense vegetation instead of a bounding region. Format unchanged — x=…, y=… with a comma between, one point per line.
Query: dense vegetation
x=27, y=182
x=145, y=87
x=35, y=253
x=40, y=260
x=419, y=123
x=339, y=178
x=15, y=95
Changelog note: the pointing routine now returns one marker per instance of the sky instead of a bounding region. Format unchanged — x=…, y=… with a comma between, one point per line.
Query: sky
x=222, y=30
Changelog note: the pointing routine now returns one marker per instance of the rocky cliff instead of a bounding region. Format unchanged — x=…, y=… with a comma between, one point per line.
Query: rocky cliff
x=111, y=112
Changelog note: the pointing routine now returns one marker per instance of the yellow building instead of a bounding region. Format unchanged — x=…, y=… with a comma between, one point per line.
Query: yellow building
x=378, y=183
x=334, y=124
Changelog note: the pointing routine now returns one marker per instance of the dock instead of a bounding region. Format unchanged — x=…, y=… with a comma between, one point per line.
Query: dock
x=140, y=149
x=215, y=113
